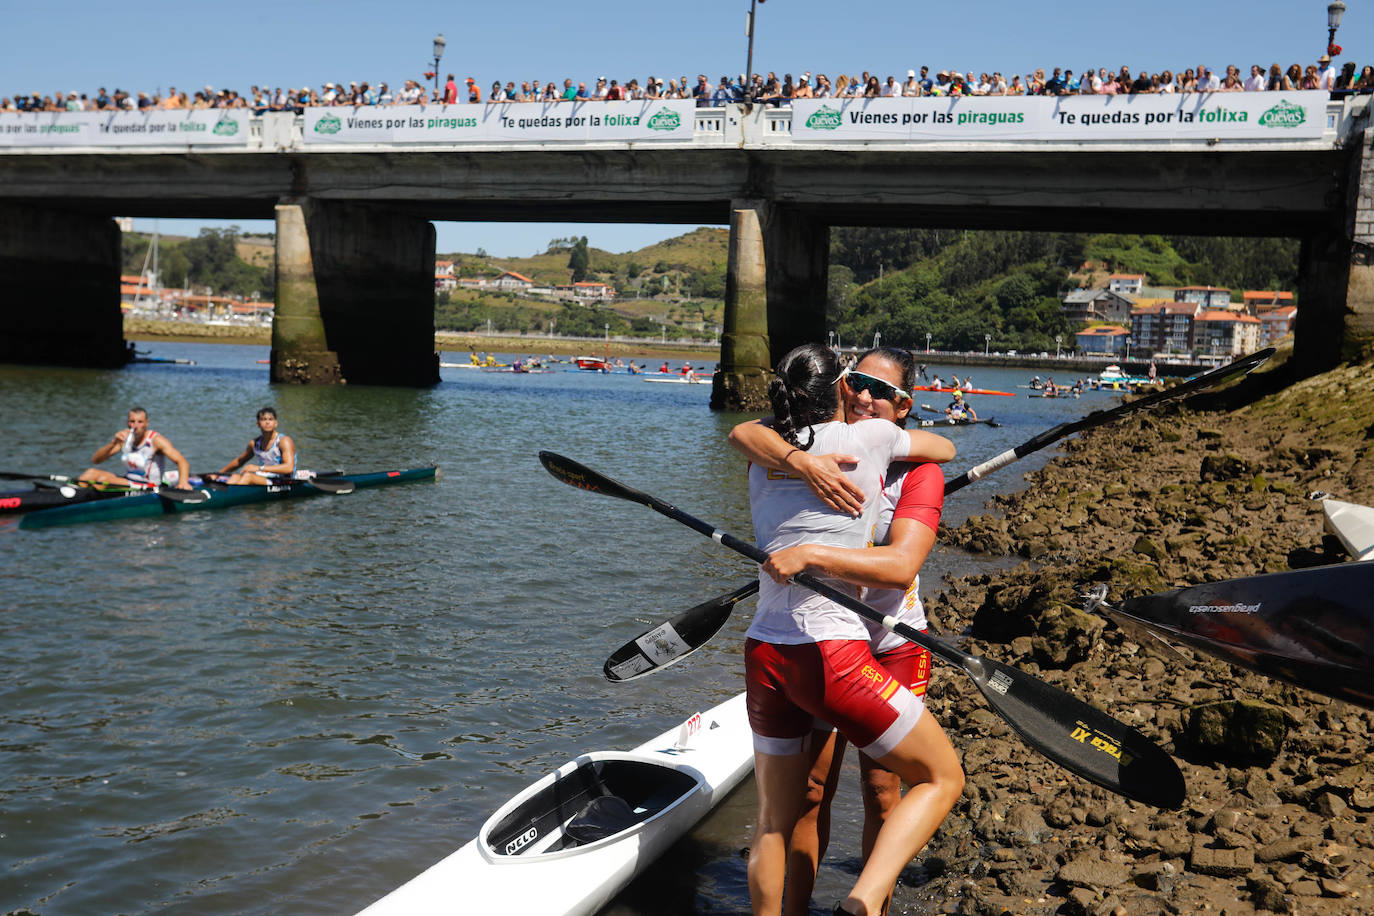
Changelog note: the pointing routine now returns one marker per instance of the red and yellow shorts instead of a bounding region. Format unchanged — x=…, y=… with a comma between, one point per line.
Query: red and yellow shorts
x=838, y=680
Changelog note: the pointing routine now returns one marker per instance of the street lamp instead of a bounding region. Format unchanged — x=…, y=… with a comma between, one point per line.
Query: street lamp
x=1334, y=11
x=876, y=337
x=927, y=341
x=830, y=338
x=1058, y=339
x=987, y=343
x=748, y=86
x=439, y=44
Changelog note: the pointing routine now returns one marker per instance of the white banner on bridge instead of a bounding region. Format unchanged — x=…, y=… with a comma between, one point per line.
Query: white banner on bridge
x=1065, y=119
x=582, y=122
x=198, y=127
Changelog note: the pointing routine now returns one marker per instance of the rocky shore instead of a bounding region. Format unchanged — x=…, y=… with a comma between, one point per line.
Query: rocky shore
x=1279, y=814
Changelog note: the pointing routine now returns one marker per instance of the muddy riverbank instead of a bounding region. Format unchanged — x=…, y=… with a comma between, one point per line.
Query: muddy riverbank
x=1279, y=815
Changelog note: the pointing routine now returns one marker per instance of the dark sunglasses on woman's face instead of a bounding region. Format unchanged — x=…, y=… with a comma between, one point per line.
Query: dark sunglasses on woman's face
x=876, y=387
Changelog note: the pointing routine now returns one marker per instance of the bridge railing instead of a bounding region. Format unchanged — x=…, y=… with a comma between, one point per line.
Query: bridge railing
x=1301, y=120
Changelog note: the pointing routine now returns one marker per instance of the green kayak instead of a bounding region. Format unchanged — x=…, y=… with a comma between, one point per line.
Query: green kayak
x=217, y=496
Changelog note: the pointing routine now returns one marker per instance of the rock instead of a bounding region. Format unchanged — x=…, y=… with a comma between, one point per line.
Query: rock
x=1065, y=636
x=1237, y=729
x=1222, y=863
x=1092, y=871
x=1267, y=895
x=1285, y=849
x=1146, y=548
x=1331, y=805
x=1024, y=826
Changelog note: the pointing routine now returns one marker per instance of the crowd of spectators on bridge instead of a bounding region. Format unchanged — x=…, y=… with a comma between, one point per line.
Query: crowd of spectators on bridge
x=761, y=89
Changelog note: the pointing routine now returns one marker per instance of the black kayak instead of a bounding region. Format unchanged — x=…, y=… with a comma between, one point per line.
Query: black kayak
x=1309, y=627
x=50, y=495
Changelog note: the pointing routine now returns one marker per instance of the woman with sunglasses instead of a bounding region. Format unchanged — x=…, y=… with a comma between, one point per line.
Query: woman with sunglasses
x=914, y=749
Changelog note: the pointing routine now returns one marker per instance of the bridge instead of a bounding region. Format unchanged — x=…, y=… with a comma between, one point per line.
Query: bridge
x=352, y=192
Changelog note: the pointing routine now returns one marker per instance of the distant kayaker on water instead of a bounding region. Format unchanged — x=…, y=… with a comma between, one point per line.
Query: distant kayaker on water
x=269, y=453
x=958, y=410
x=145, y=454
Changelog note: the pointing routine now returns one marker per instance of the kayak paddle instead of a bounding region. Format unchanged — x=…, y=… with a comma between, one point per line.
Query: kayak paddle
x=697, y=625
x=1078, y=737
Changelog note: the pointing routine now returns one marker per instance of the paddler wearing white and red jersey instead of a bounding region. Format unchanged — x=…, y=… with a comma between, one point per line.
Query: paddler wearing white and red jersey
x=145, y=454
x=270, y=453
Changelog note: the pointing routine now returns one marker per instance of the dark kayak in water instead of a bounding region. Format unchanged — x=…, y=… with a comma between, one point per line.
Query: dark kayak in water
x=214, y=496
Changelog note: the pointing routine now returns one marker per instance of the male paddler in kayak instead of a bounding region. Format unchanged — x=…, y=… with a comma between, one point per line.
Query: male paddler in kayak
x=958, y=410
x=145, y=454
x=270, y=453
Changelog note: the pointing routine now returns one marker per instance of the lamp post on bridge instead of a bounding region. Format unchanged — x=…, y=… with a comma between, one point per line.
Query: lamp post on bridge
x=748, y=86
x=927, y=341
x=1334, y=11
x=987, y=343
x=877, y=336
x=439, y=44
x=1058, y=339
x=830, y=338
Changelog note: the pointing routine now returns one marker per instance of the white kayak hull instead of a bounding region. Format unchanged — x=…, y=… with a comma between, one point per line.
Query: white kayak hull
x=1353, y=524
x=680, y=381
x=541, y=853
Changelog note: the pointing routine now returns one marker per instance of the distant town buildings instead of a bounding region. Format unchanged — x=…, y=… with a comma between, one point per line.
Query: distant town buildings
x=1129, y=284
x=1104, y=338
x=1212, y=297
x=1087, y=305
x=1199, y=320
x=446, y=278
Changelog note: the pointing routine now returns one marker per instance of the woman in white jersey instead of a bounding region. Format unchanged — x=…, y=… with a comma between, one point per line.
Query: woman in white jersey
x=270, y=453
x=807, y=657
x=912, y=500
x=145, y=455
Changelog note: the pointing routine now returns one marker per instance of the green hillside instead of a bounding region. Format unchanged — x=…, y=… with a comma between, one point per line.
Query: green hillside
x=962, y=286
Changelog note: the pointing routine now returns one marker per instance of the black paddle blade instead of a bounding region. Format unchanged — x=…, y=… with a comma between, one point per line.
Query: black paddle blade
x=190, y=497
x=1309, y=627
x=675, y=639
x=1083, y=740
x=576, y=474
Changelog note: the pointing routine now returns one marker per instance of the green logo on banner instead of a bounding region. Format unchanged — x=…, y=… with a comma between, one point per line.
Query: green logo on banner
x=824, y=118
x=1284, y=114
x=665, y=119
x=329, y=124
x=226, y=127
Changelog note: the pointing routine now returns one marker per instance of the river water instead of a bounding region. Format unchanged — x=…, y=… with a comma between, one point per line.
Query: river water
x=295, y=707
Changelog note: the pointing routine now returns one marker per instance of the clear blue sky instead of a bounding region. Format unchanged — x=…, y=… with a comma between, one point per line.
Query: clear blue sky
x=148, y=46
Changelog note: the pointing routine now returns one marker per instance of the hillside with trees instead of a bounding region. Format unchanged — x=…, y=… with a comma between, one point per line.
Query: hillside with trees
x=958, y=286
x=955, y=285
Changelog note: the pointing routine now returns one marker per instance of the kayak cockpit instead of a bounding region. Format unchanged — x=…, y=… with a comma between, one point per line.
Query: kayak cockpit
x=594, y=800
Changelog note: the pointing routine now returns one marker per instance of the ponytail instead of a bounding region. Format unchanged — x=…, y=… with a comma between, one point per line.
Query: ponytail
x=803, y=392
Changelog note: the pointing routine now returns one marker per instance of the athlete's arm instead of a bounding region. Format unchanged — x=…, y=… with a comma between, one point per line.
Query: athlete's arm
x=111, y=448
x=929, y=447
x=761, y=444
x=892, y=565
x=239, y=461
x=183, y=470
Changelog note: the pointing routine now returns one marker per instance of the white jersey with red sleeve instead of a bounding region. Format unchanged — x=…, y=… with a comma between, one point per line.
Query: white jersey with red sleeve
x=787, y=513
x=913, y=491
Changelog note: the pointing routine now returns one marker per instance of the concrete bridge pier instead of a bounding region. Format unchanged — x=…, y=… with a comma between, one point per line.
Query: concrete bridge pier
x=355, y=296
x=775, y=292
x=61, y=301
x=1335, y=320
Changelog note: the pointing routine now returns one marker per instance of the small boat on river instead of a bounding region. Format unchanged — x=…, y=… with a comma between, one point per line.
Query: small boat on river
x=213, y=495
x=591, y=363
x=569, y=843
